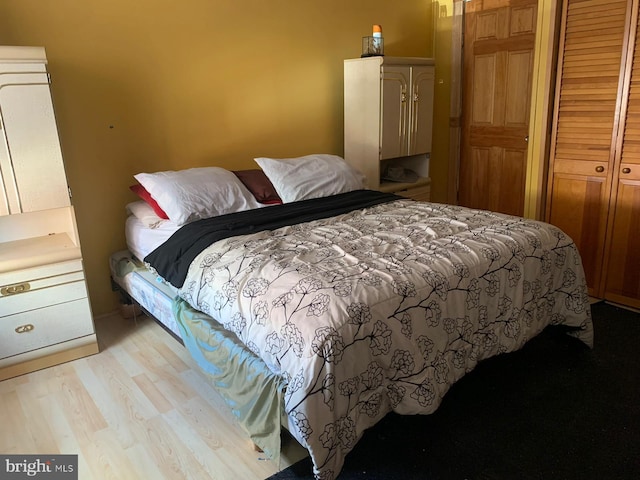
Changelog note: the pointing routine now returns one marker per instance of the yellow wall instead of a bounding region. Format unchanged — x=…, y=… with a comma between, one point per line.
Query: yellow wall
x=148, y=85
x=440, y=152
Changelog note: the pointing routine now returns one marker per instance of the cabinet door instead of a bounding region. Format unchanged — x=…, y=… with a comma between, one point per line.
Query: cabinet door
x=31, y=165
x=421, y=124
x=586, y=112
x=395, y=111
x=622, y=268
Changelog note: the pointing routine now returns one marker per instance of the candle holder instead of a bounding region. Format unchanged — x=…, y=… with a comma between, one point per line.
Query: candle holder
x=372, y=46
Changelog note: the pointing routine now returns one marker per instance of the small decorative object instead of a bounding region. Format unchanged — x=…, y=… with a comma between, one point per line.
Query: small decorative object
x=373, y=46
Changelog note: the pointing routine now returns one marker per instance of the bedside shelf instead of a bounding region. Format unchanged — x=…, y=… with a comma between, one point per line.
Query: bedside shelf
x=391, y=187
x=35, y=251
x=419, y=190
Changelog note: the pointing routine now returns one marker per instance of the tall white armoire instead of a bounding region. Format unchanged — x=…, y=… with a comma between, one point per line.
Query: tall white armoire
x=45, y=315
x=388, y=120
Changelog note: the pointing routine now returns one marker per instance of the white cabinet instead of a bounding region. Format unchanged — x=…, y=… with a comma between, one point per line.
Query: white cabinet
x=388, y=118
x=45, y=315
x=407, y=109
x=44, y=309
x=31, y=166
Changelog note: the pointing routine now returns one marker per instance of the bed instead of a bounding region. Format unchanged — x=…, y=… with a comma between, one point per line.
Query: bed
x=329, y=307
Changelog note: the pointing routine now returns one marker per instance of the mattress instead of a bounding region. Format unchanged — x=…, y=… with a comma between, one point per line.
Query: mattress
x=149, y=290
x=142, y=240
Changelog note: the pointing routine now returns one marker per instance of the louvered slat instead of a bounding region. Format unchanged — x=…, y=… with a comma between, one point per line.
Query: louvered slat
x=631, y=142
x=590, y=76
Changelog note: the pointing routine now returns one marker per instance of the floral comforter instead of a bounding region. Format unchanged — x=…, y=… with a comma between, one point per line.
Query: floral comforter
x=384, y=308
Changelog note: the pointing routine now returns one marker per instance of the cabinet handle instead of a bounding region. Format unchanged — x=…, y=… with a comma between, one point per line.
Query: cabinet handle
x=626, y=170
x=404, y=97
x=415, y=97
x=24, y=328
x=599, y=169
x=14, y=289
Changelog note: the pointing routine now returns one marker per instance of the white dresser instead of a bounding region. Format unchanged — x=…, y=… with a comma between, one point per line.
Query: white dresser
x=388, y=119
x=45, y=315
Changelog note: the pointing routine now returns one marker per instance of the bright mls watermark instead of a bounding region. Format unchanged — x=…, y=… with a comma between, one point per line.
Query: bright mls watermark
x=50, y=467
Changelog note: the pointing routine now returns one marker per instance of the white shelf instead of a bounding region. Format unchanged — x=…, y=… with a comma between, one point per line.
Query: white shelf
x=35, y=251
x=391, y=187
x=12, y=54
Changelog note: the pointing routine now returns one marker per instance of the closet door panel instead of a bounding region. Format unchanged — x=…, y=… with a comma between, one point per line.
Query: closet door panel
x=623, y=272
x=623, y=267
x=591, y=63
x=580, y=210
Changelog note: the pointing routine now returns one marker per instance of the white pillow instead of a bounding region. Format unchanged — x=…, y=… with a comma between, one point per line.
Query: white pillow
x=195, y=193
x=145, y=213
x=311, y=176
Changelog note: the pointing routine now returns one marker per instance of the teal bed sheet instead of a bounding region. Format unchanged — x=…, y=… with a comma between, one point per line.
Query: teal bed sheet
x=252, y=391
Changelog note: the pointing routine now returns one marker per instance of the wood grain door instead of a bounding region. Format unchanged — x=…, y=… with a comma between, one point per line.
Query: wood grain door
x=586, y=114
x=622, y=267
x=497, y=70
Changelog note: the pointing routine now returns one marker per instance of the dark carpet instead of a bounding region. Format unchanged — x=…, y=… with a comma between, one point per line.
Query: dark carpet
x=553, y=410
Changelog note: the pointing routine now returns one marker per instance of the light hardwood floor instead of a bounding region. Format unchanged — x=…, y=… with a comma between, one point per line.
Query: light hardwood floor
x=136, y=410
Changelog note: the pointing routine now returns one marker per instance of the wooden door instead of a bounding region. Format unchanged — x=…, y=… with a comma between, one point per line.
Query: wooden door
x=497, y=72
x=622, y=268
x=395, y=111
x=588, y=92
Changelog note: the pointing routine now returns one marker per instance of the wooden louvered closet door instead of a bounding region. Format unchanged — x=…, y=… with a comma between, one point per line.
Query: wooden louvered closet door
x=588, y=195
x=622, y=269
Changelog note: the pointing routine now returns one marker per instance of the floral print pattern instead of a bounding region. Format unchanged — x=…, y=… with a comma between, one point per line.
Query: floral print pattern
x=386, y=307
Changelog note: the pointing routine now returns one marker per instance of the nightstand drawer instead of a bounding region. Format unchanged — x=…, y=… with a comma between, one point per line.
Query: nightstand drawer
x=41, y=293
x=43, y=272
x=42, y=327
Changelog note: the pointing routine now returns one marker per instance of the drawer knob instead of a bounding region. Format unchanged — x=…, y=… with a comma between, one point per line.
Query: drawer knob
x=599, y=169
x=626, y=170
x=24, y=328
